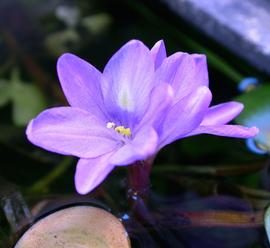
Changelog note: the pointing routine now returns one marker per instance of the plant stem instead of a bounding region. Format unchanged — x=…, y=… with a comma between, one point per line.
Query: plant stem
x=139, y=180
x=43, y=184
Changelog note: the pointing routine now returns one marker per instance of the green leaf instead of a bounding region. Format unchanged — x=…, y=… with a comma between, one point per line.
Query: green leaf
x=210, y=170
x=10, y=133
x=257, y=113
x=27, y=100
x=62, y=41
x=96, y=24
x=4, y=92
x=255, y=101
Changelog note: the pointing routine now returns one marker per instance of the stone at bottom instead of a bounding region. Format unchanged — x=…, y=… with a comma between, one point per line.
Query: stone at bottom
x=76, y=227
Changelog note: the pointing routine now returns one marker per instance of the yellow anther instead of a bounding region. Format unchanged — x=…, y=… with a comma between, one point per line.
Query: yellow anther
x=127, y=132
x=119, y=129
x=124, y=131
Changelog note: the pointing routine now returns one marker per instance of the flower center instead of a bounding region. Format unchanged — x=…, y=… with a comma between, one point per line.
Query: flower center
x=125, y=100
x=119, y=129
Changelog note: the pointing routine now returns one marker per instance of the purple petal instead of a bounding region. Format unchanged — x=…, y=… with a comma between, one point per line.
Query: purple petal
x=160, y=99
x=129, y=75
x=81, y=84
x=222, y=113
x=71, y=131
x=91, y=172
x=158, y=53
x=179, y=71
x=201, y=69
x=234, y=131
x=185, y=116
x=184, y=72
x=140, y=148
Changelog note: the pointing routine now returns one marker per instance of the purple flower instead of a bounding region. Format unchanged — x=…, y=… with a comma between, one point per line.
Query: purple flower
x=141, y=102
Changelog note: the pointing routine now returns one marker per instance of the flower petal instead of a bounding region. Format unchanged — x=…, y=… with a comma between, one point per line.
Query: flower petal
x=158, y=53
x=201, y=69
x=234, y=131
x=129, y=78
x=91, y=172
x=81, y=84
x=184, y=72
x=185, y=116
x=222, y=113
x=71, y=131
x=140, y=148
x=179, y=71
x=160, y=99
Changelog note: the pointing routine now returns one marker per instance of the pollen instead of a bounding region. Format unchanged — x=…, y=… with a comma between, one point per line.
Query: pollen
x=119, y=129
x=124, y=131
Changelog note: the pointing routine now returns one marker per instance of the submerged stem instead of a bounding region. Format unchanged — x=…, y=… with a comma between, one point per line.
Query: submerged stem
x=139, y=180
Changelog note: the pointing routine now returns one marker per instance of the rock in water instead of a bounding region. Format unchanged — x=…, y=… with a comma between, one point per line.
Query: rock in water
x=76, y=227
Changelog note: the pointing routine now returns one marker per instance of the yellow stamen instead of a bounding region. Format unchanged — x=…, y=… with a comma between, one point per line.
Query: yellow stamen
x=124, y=131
